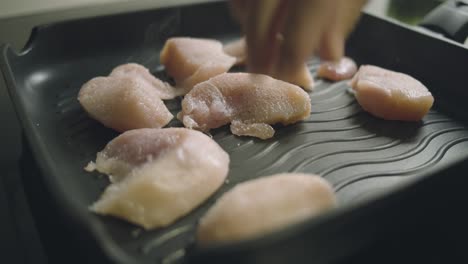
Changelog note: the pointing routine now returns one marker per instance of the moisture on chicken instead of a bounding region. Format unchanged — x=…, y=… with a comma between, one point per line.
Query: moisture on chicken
x=137, y=71
x=159, y=175
x=124, y=103
x=193, y=60
x=261, y=206
x=238, y=49
x=250, y=102
x=391, y=95
x=340, y=70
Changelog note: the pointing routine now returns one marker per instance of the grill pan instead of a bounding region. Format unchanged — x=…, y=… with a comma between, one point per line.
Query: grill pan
x=374, y=165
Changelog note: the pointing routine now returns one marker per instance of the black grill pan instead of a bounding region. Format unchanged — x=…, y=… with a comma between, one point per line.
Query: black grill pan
x=374, y=165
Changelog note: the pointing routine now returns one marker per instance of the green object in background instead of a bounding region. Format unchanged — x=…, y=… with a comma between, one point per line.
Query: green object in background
x=411, y=11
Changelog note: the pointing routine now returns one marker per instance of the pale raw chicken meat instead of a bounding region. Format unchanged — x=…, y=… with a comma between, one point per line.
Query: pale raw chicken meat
x=192, y=60
x=238, y=49
x=159, y=175
x=137, y=71
x=340, y=70
x=261, y=206
x=391, y=95
x=250, y=102
x=124, y=103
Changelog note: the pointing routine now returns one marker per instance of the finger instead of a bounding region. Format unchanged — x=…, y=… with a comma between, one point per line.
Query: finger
x=333, y=40
x=349, y=11
x=262, y=17
x=331, y=47
x=302, y=32
x=238, y=8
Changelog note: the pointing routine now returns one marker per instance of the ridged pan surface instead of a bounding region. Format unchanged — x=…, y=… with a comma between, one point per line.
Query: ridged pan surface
x=360, y=155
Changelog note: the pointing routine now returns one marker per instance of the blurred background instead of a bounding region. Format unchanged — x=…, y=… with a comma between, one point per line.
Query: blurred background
x=17, y=17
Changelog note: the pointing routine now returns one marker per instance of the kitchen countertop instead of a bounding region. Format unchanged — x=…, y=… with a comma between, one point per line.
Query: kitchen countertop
x=19, y=238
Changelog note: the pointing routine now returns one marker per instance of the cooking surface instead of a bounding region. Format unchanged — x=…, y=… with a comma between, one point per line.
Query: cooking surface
x=359, y=154
x=434, y=131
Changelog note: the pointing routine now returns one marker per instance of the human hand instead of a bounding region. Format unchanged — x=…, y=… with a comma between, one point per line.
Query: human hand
x=282, y=34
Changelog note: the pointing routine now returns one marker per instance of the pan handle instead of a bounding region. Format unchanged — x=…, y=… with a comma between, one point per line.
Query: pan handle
x=449, y=19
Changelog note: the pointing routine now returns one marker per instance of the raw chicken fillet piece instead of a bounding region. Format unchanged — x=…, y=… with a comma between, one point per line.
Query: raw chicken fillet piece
x=261, y=206
x=192, y=60
x=391, y=95
x=340, y=70
x=137, y=71
x=159, y=175
x=124, y=103
x=250, y=102
x=237, y=49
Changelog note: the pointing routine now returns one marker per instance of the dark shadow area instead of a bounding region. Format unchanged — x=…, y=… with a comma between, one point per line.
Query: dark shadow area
x=392, y=129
